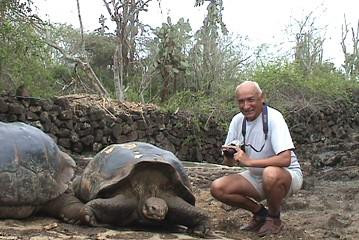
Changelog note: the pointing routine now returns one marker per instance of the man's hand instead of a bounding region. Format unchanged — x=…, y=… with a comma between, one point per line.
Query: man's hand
x=241, y=158
x=228, y=160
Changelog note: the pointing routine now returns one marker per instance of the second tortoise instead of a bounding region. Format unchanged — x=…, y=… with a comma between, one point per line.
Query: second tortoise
x=138, y=182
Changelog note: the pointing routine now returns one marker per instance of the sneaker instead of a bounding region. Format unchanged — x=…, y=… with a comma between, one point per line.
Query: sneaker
x=255, y=224
x=270, y=226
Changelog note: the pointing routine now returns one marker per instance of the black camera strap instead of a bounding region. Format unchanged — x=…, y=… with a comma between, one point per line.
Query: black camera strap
x=264, y=121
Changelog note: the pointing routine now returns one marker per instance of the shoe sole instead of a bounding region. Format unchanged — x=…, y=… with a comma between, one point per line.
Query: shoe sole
x=271, y=232
x=255, y=229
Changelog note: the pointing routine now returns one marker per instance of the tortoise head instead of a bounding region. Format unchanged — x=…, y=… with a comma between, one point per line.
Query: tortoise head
x=155, y=208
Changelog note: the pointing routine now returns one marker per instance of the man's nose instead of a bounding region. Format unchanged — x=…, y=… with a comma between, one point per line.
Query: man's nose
x=246, y=105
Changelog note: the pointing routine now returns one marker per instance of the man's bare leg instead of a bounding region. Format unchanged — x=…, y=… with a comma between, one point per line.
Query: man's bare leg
x=276, y=184
x=236, y=190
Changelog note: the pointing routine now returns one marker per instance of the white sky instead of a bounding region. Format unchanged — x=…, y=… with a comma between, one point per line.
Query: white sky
x=262, y=21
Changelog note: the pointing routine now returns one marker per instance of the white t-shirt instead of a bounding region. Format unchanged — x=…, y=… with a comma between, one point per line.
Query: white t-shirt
x=278, y=139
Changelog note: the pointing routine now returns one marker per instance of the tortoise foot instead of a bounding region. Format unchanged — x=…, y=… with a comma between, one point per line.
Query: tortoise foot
x=201, y=230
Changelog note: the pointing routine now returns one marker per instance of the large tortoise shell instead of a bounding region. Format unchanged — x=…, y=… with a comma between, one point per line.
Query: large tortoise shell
x=116, y=162
x=33, y=170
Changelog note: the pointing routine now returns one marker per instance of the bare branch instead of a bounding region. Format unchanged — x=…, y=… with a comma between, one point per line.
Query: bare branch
x=344, y=35
x=85, y=66
x=82, y=44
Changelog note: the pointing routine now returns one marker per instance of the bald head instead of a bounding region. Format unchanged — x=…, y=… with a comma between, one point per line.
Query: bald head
x=249, y=85
x=250, y=99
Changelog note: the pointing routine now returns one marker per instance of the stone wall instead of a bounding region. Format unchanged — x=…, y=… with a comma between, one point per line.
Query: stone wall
x=86, y=124
x=331, y=123
x=328, y=136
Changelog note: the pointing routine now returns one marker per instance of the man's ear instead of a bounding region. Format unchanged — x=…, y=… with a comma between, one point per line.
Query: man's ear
x=263, y=97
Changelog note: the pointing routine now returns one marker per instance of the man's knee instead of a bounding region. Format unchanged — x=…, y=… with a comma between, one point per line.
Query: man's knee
x=217, y=189
x=275, y=175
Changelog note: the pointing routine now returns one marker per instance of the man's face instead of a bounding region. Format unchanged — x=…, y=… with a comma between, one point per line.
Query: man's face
x=250, y=101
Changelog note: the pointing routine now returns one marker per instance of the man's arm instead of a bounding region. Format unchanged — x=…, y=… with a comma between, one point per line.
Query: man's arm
x=282, y=159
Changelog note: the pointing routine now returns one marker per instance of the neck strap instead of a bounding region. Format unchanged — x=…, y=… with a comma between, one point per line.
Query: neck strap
x=264, y=121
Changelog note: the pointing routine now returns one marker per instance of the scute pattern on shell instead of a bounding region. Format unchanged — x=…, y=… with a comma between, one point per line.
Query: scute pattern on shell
x=31, y=167
x=115, y=163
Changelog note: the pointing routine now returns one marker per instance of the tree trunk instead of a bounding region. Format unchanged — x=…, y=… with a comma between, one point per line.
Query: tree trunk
x=117, y=73
x=165, y=76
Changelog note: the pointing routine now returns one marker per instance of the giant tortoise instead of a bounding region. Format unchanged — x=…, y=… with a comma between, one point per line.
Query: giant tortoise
x=139, y=183
x=35, y=175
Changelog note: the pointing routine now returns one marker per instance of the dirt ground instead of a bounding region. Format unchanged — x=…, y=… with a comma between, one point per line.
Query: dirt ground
x=326, y=208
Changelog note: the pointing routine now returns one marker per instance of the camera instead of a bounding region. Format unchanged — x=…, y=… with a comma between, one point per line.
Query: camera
x=229, y=153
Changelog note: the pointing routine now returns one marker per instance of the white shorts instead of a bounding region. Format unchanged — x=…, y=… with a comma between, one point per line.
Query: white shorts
x=256, y=181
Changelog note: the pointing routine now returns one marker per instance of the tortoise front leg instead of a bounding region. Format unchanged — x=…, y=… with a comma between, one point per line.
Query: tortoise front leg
x=181, y=212
x=67, y=208
x=119, y=210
